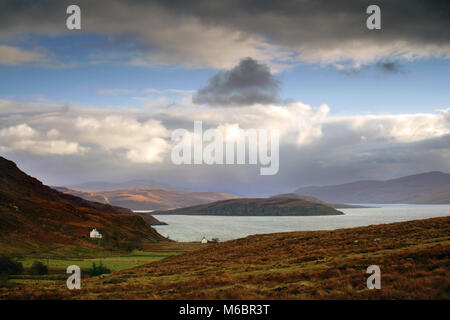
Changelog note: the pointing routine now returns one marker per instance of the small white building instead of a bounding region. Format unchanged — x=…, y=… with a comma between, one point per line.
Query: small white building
x=204, y=240
x=95, y=234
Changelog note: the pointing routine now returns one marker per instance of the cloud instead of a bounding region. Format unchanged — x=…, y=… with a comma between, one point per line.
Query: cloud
x=148, y=35
x=143, y=141
x=327, y=32
x=315, y=146
x=15, y=56
x=148, y=152
x=121, y=130
x=116, y=91
x=55, y=130
x=21, y=131
x=217, y=34
x=248, y=83
x=389, y=66
x=49, y=147
x=23, y=137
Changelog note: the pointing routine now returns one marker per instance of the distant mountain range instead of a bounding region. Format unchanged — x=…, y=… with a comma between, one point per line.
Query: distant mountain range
x=149, y=199
x=33, y=216
x=278, y=206
x=131, y=184
x=426, y=188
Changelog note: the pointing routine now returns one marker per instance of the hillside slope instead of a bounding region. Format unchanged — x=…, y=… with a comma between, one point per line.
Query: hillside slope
x=413, y=257
x=334, y=205
x=149, y=199
x=257, y=207
x=34, y=215
x=426, y=188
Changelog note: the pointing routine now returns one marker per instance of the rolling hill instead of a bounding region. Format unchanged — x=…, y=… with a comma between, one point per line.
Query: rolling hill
x=426, y=188
x=335, y=205
x=257, y=207
x=149, y=199
x=413, y=257
x=33, y=216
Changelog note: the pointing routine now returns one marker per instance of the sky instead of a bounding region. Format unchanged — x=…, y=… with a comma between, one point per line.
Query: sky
x=101, y=103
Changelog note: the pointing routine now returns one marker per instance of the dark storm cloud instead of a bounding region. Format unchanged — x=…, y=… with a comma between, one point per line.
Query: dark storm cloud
x=323, y=32
x=248, y=83
x=426, y=20
x=389, y=67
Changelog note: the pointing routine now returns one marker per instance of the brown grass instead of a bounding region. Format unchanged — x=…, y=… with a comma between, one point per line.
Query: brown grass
x=413, y=257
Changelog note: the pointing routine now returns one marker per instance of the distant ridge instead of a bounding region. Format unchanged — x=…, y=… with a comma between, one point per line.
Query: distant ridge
x=149, y=199
x=425, y=188
x=131, y=184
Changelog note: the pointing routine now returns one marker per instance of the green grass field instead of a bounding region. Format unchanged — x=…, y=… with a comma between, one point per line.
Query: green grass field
x=114, y=263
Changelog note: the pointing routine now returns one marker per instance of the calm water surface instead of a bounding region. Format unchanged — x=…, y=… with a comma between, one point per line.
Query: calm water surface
x=193, y=228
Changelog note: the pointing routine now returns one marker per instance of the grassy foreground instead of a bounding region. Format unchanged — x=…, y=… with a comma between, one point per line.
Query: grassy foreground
x=114, y=263
x=413, y=257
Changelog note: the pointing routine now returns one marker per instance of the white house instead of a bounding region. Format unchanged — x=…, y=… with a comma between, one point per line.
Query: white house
x=95, y=234
x=204, y=240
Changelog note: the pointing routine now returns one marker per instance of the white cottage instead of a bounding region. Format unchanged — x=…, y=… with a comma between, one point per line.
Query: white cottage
x=204, y=240
x=95, y=234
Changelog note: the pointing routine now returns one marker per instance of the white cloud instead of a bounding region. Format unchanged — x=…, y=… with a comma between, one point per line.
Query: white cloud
x=144, y=141
x=53, y=133
x=399, y=128
x=297, y=123
x=16, y=56
x=356, y=53
x=190, y=46
x=53, y=147
x=143, y=135
x=148, y=152
x=21, y=131
x=23, y=137
x=60, y=133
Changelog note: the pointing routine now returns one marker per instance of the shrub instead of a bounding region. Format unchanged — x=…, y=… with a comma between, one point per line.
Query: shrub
x=100, y=242
x=115, y=235
x=133, y=244
x=4, y=283
x=38, y=268
x=9, y=266
x=98, y=270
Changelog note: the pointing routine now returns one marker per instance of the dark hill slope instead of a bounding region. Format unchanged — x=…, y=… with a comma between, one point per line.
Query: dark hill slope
x=257, y=207
x=33, y=215
x=335, y=205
